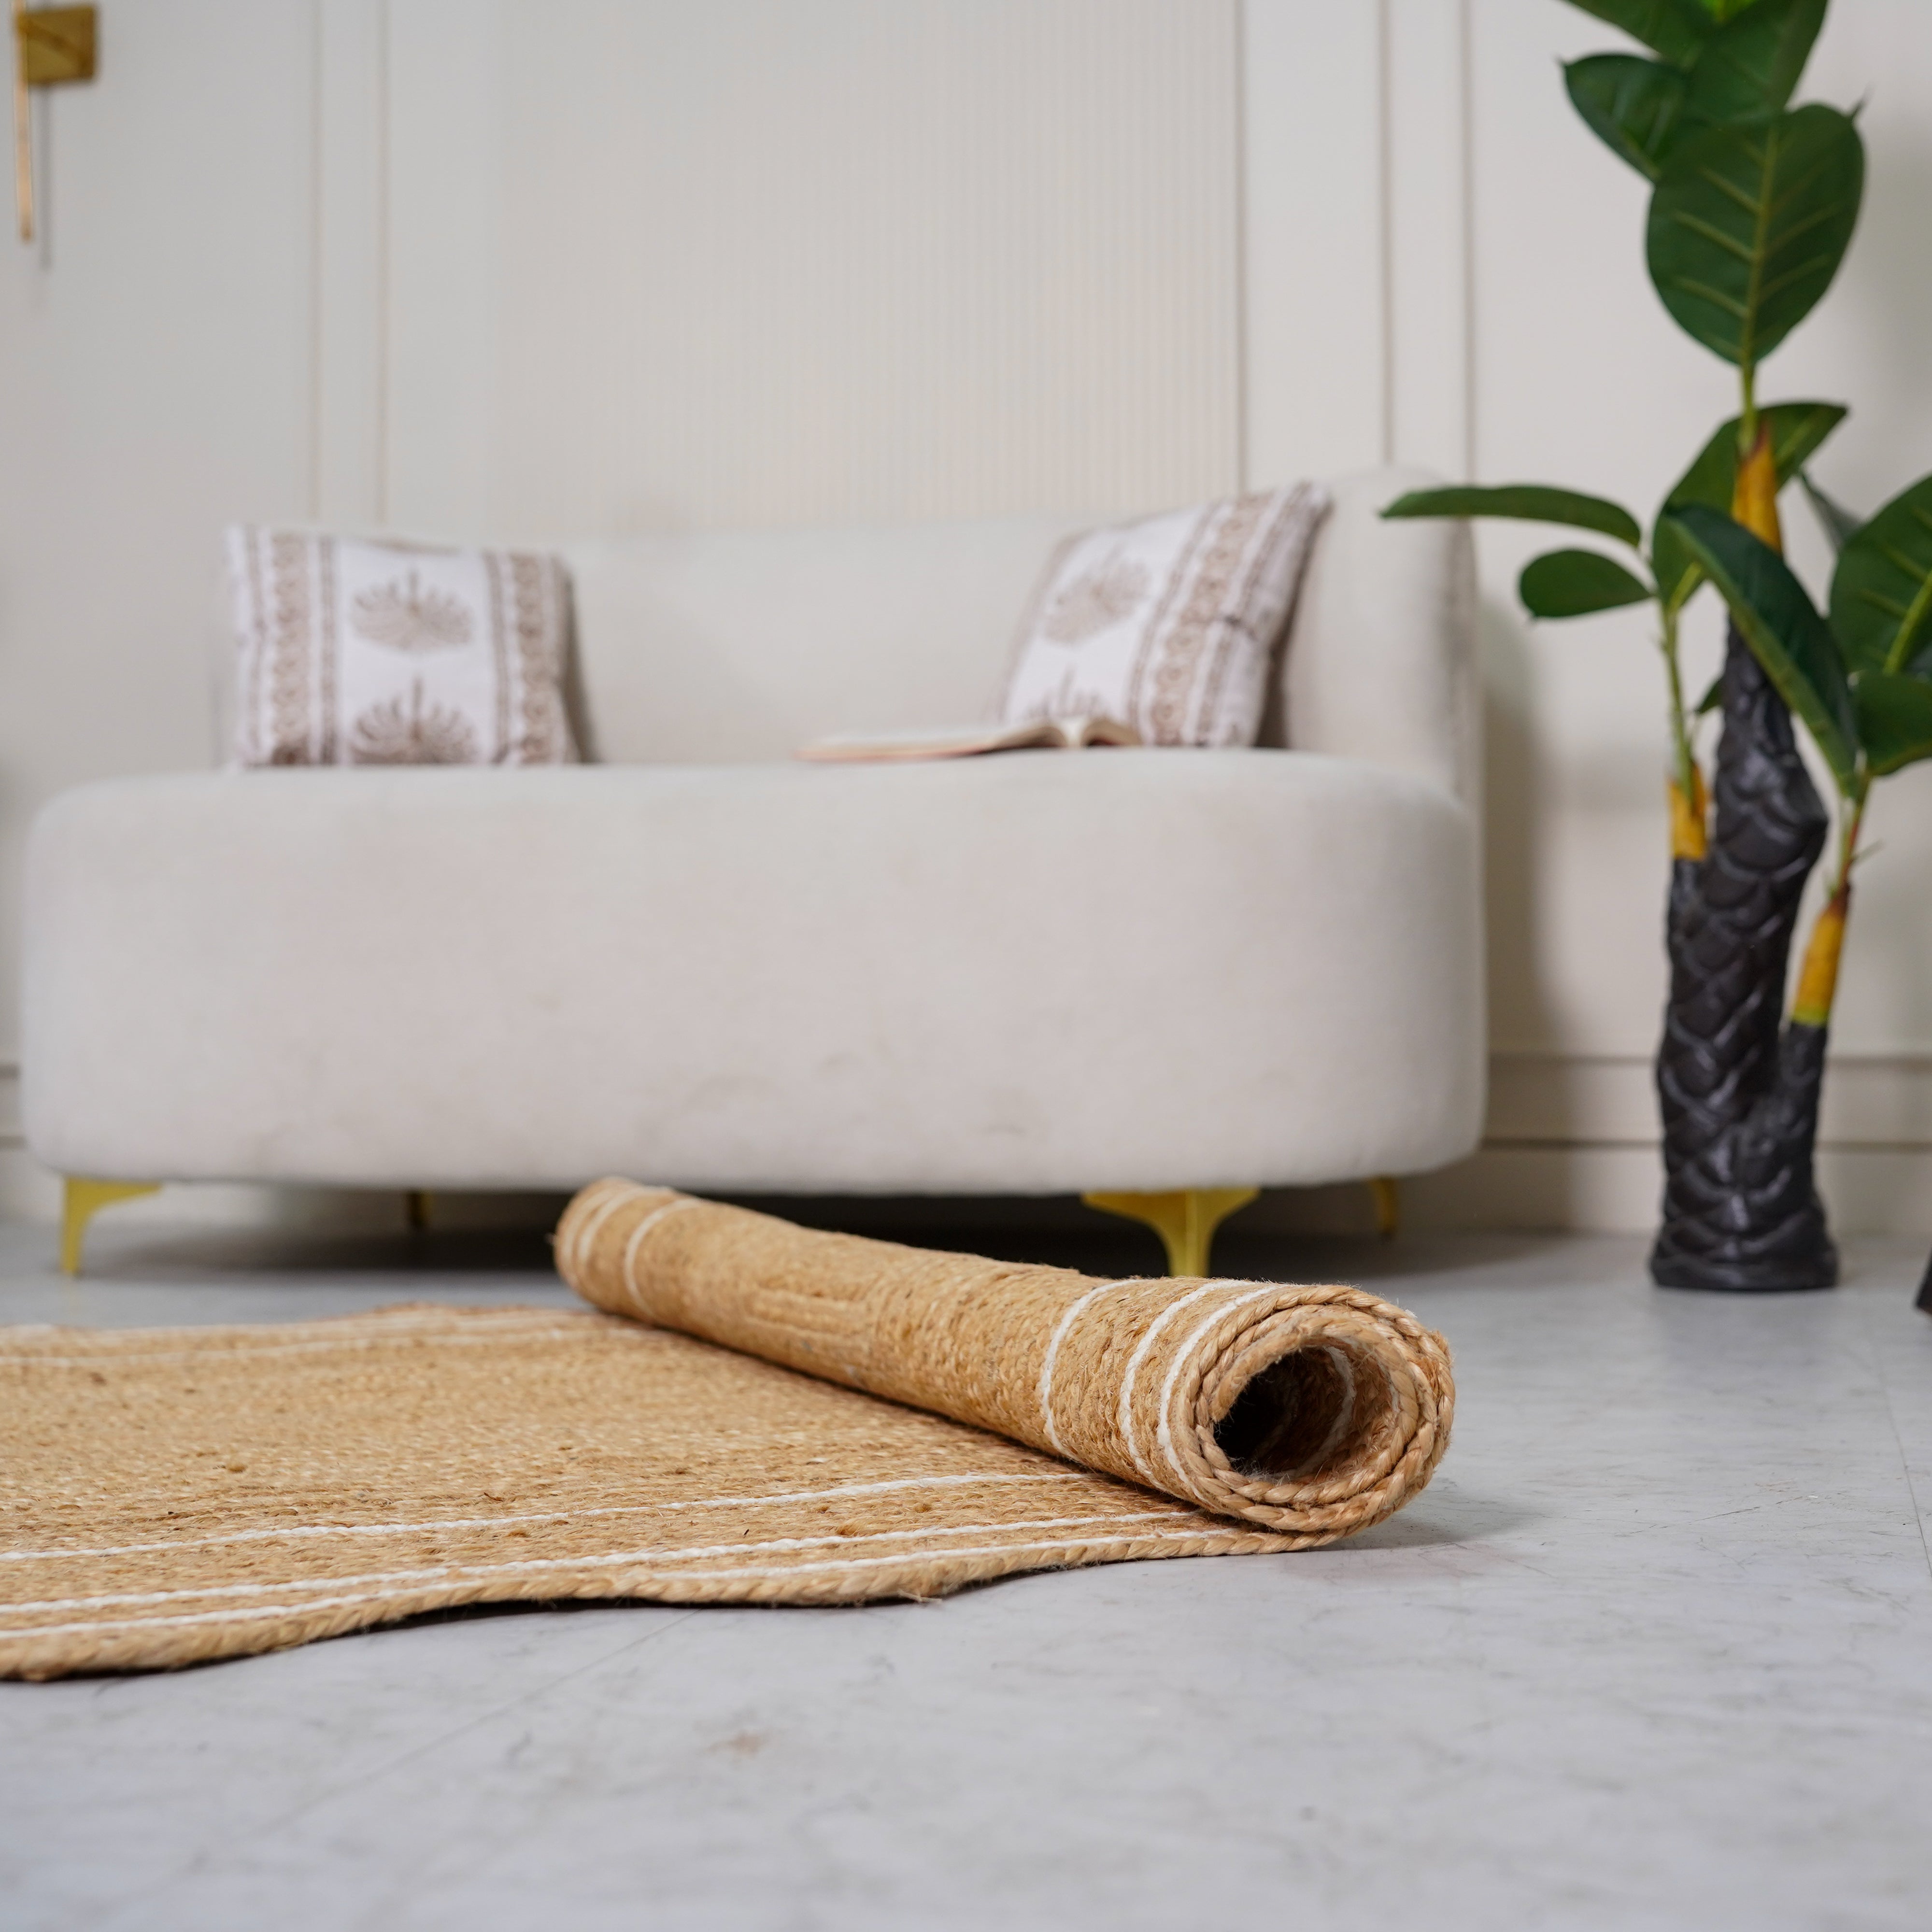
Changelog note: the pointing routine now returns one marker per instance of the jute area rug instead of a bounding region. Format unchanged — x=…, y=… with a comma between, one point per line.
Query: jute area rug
x=752, y=1413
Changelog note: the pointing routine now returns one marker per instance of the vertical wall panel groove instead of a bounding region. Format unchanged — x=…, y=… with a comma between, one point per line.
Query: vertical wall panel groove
x=1313, y=295
x=1427, y=218
x=349, y=190
x=1466, y=56
x=1385, y=226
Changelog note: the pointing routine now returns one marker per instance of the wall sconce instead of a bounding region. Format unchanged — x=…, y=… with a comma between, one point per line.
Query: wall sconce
x=51, y=46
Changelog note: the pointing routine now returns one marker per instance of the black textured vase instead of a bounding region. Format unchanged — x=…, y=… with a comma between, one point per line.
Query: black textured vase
x=1740, y=1093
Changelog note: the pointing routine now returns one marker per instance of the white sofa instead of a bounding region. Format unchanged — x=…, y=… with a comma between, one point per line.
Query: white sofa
x=699, y=961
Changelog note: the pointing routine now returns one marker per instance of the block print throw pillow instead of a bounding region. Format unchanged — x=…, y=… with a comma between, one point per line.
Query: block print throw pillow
x=1169, y=625
x=354, y=652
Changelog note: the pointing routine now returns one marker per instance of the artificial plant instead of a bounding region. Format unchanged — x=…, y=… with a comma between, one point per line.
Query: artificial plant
x=1752, y=206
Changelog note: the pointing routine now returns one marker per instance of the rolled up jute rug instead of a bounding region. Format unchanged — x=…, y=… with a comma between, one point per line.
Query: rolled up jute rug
x=760, y=1414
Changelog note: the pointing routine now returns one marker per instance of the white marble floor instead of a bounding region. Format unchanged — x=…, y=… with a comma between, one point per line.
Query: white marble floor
x=1655, y=1651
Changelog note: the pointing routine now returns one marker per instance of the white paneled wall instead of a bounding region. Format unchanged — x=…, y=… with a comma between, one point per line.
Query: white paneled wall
x=1315, y=314
x=757, y=263
x=1580, y=377
x=534, y=268
x=1444, y=267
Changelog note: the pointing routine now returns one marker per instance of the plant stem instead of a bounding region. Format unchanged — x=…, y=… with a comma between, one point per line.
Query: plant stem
x=1690, y=837
x=1680, y=729
x=1848, y=837
x=1747, y=418
x=1818, y=978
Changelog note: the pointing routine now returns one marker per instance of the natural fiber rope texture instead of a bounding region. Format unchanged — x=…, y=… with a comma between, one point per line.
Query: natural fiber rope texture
x=168, y=1496
x=1335, y=1404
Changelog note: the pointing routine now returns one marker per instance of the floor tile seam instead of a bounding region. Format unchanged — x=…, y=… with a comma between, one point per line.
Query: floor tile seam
x=259, y=1834
x=1897, y=1436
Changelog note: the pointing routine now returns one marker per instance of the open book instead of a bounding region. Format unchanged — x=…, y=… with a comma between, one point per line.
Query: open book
x=968, y=741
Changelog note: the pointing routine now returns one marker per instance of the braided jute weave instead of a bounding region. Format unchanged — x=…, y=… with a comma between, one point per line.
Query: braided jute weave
x=168, y=1496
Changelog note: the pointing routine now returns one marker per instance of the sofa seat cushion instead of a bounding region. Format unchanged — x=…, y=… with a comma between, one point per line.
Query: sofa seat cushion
x=1031, y=973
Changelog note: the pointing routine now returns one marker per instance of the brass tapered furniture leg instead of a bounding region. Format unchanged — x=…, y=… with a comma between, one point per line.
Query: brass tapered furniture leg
x=84, y=1199
x=1185, y=1220
x=1388, y=1205
x=415, y=1208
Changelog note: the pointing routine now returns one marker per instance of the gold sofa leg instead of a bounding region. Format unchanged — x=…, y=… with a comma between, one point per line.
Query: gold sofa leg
x=85, y=1199
x=416, y=1210
x=1388, y=1206
x=1185, y=1220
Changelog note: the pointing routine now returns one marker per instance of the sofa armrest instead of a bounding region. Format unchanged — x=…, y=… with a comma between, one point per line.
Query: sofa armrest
x=1380, y=663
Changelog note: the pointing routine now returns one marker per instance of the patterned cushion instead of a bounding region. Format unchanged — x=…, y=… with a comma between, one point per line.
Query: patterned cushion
x=1168, y=624
x=365, y=653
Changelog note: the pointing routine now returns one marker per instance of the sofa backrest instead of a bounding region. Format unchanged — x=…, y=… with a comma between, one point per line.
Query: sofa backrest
x=1380, y=660
x=739, y=646
x=728, y=647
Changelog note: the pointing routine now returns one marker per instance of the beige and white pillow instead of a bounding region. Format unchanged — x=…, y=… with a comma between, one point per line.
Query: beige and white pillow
x=359, y=652
x=1169, y=625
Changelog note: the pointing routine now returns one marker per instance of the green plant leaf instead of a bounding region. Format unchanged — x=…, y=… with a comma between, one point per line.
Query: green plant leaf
x=1881, y=590
x=1574, y=583
x=1839, y=524
x=1797, y=431
x=1748, y=225
x=1784, y=630
x=1713, y=696
x=1749, y=67
x=1894, y=721
x=1675, y=29
x=1526, y=502
x=1635, y=106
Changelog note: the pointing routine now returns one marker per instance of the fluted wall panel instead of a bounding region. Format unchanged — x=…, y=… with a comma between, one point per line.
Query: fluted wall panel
x=757, y=263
